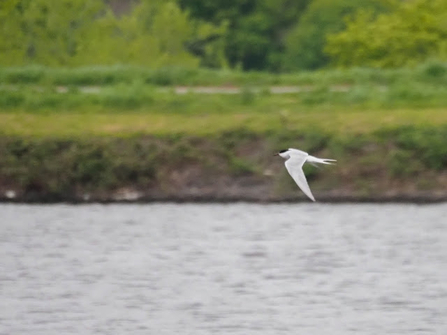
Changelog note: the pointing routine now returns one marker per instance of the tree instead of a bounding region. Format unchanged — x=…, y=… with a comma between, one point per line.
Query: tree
x=12, y=38
x=306, y=42
x=86, y=32
x=256, y=29
x=43, y=31
x=416, y=31
x=152, y=34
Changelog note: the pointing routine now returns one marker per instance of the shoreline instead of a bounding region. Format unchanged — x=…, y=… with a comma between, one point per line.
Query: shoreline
x=197, y=199
x=404, y=165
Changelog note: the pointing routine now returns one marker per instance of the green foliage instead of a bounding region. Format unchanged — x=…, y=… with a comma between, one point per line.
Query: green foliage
x=427, y=144
x=241, y=167
x=434, y=72
x=12, y=38
x=247, y=96
x=414, y=32
x=121, y=88
x=256, y=29
x=153, y=34
x=105, y=75
x=273, y=35
x=306, y=42
x=56, y=168
x=312, y=140
x=347, y=145
x=43, y=31
x=86, y=32
x=12, y=99
x=165, y=76
x=403, y=163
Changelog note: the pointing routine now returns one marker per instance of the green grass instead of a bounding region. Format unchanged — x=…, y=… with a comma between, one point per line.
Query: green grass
x=332, y=89
x=430, y=72
x=68, y=132
x=131, y=102
x=76, y=124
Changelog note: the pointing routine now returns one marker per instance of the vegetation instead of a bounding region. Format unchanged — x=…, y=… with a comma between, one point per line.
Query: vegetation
x=133, y=90
x=255, y=38
x=78, y=142
x=415, y=31
x=170, y=166
x=86, y=32
x=185, y=98
x=306, y=42
x=267, y=35
x=431, y=72
x=128, y=103
x=205, y=123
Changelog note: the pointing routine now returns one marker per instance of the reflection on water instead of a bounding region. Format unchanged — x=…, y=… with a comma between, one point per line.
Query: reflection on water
x=223, y=269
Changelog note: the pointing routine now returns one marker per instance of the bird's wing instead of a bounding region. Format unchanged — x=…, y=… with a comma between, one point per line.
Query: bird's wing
x=295, y=167
x=297, y=151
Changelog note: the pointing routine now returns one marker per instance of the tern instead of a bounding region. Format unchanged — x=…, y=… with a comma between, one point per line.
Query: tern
x=295, y=160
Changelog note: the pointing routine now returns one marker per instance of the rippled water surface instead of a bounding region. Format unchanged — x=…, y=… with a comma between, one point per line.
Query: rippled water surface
x=223, y=269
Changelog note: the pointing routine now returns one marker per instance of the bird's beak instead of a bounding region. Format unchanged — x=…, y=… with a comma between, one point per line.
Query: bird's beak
x=276, y=154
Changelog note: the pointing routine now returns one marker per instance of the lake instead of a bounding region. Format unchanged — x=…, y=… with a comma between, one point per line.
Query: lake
x=223, y=269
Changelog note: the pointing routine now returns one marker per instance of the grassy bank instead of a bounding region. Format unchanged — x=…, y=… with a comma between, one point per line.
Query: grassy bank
x=430, y=72
x=135, y=137
x=145, y=110
x=130, y=124
x=20, y=89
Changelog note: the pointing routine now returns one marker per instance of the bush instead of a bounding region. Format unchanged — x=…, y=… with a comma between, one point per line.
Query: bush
x=61, y=167
x=428, y=145
x=11, y=99
x=403, y=163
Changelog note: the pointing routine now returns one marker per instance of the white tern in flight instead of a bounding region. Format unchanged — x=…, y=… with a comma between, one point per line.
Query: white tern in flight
x=295, y=160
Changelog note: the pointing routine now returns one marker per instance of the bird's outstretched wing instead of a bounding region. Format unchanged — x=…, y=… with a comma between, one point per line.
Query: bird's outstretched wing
x=295, y=167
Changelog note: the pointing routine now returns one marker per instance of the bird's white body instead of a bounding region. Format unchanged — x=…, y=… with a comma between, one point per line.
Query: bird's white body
x=295, y=160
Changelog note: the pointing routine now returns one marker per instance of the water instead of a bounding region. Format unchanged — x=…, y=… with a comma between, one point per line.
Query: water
x=223, y=269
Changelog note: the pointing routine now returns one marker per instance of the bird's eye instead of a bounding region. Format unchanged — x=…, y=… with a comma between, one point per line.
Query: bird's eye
x=282, y=151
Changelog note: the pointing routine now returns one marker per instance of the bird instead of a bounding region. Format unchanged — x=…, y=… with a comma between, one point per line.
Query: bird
x=295, y=160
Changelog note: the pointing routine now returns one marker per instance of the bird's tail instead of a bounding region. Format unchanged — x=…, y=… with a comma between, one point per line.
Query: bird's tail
x=328, y=161
x=313, y=160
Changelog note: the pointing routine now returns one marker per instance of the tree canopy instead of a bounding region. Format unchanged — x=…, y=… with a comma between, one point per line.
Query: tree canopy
x=271, y=35
x=86, y=32
x=256, y=28
x=414, y=32
x=306, y=42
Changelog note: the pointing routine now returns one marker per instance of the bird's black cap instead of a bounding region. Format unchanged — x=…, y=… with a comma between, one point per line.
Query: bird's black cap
x=283, y=151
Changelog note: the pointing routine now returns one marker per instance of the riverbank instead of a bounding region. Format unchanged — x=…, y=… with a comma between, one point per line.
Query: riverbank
x=395, y=165
x=142, y=135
